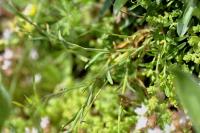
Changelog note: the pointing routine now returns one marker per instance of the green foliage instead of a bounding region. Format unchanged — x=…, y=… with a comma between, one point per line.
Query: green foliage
x=188, y=91
x=94, y=63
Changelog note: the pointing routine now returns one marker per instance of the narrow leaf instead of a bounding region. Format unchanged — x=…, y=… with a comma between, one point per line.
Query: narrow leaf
x=109, y=78
x=93, y=59
x=118, y=5
x=183, y=23
x=188, y=91
x=18, y=104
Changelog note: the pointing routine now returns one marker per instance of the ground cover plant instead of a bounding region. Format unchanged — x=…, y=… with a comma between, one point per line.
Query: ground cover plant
x=99, y=66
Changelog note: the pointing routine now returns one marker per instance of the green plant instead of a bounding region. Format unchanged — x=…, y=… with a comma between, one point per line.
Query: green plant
x=104, y=58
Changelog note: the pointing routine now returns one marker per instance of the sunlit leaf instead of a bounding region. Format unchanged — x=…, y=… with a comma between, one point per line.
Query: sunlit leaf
x=188, y=91
x=109, y=78
x=183, y=23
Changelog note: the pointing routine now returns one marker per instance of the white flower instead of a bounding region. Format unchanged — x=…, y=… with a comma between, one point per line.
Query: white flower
x=34, y=130
x=141, y=110
x=6, y=64
x=27, y=130
x=182, y=121
x=8, y=54
x=141, y=123
x=37, y=77
x=155, y=130
x=7, y=34
x=183, y=118
x=44, y=122
x=169, y=128
x=33, y=54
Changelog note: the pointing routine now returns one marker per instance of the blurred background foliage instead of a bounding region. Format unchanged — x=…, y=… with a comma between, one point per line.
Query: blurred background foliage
x=89, y=66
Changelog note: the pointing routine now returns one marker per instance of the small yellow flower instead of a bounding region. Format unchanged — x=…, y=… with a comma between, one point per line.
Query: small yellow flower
x=30, y=10
x=28, y=27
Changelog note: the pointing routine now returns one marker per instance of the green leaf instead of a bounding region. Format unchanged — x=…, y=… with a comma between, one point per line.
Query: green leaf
x=188, y=91
x=196, y=11
x=93, y=59
x=107, y=4
x=183, y=23
x=118, y=5
x=5, y=105
x=18, y=104
x=109, y=78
